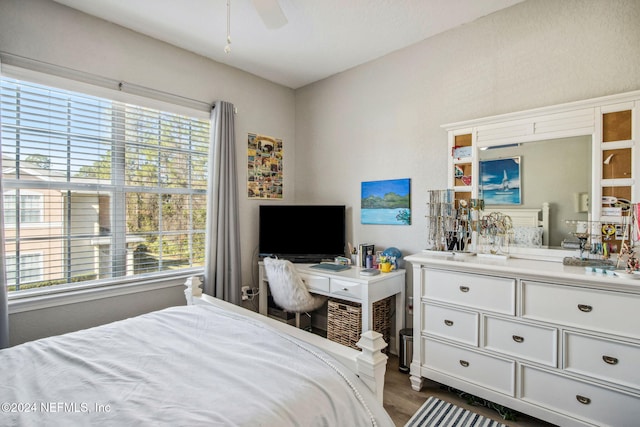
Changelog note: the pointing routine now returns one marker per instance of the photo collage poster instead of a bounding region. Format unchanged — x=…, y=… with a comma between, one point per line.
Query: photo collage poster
x=264, y=162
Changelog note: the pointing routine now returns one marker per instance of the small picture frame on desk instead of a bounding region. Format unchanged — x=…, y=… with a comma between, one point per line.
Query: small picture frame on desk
x=365, y=249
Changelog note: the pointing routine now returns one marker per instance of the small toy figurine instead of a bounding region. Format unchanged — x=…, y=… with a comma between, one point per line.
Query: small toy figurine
x=633, y=263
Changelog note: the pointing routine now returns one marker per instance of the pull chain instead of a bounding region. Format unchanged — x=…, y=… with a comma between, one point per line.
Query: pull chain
x=227, y=48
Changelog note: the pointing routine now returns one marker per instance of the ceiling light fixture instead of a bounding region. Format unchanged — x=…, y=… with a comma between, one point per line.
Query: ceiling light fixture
x=227, y=48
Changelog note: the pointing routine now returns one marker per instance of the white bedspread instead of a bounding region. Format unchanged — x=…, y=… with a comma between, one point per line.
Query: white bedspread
x=183, y=366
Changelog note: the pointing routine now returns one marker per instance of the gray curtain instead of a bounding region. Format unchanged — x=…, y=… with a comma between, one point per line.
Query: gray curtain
x=4, y=308
x=222, y=273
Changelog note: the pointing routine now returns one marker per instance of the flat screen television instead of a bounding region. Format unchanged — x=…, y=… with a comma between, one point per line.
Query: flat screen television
x=302, y=233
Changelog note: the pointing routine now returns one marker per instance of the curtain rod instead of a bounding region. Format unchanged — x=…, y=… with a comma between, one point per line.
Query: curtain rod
x=82, y=76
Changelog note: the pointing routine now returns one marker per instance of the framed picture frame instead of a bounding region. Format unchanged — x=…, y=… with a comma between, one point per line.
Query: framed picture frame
x=386, y=202
x=499, y=181
x=264, y=167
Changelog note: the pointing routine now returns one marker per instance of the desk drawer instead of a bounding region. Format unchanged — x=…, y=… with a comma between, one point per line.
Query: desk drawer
x=611, y=312
x=316, y=283
x=471, y=290
x=596, y=357
x=532, y=342
x=588, y=402
x=449, y=323
x=487, y=371
x=345, y=288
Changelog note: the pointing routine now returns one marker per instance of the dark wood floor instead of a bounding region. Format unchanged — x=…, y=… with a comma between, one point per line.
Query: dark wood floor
x=401, y=401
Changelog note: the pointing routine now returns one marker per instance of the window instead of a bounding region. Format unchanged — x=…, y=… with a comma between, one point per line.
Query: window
x=29, y=269
x=102, y=189
x=30, y=209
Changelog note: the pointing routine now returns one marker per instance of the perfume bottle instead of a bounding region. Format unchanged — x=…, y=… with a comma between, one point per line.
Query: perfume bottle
x=369, y=260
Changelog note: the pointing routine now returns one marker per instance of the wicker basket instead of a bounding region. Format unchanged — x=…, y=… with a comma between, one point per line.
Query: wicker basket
x=344, y=321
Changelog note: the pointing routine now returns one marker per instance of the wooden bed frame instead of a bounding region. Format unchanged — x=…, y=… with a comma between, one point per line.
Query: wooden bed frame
x=369, y=364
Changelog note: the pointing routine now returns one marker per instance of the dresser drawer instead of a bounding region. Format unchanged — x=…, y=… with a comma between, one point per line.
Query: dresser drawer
x=610, y=312
x=345, y=288
x=316, y=283
x=602, y=358
x=481, y=292
x=525, y=341
x=587, y=402
x=487, y=371
x=449, y=323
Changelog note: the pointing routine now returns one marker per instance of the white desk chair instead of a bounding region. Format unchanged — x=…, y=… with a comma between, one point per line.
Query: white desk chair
x=288, y=289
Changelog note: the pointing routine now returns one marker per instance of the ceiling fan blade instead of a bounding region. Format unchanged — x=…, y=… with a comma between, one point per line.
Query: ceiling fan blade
x=271, y=13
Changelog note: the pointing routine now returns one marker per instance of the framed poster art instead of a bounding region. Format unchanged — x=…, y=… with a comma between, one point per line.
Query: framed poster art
x=500, y=181
x=264, y=165
x=386, y=202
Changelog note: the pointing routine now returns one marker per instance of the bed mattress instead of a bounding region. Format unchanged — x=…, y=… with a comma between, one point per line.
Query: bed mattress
x=182, y=366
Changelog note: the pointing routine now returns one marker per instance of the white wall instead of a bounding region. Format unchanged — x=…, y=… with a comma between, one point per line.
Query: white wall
x=47, y=31
x=382, y=120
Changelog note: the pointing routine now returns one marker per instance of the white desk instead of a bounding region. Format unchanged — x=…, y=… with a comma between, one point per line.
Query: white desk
x=349, y=285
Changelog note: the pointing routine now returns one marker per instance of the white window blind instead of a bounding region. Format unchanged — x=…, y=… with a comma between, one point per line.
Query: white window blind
x=99, y=189
x=29, y=268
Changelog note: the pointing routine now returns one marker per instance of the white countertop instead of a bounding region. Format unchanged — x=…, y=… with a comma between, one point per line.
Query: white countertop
x=532, y=269
x=352, y=273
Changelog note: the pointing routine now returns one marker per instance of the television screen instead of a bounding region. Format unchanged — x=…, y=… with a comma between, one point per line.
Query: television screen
x=302, y=233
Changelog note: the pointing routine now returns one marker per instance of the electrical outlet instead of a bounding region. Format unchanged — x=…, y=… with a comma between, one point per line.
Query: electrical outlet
x=245, y=293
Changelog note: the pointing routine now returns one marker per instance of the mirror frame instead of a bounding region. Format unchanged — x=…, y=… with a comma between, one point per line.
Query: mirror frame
x=580, y=118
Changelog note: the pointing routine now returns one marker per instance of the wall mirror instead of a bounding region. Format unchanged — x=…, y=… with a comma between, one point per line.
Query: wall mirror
x=557, y=171
x=576, y=157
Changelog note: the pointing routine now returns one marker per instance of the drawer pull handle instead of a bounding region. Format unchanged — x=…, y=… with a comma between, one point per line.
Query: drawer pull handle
x=345, y=289
x=610, y=360
x=448, y=322
x=517, y=338
x=464, y=288
x=582, y=399
x=584, y=308
x=464, y=363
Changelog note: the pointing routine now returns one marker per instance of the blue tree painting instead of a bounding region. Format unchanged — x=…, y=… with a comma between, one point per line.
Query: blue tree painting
x=386, y=202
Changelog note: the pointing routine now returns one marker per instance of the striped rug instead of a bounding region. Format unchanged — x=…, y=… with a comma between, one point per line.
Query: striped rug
x=435, y=412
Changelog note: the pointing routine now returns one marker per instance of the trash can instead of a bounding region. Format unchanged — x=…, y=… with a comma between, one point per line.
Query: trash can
x=406, y=350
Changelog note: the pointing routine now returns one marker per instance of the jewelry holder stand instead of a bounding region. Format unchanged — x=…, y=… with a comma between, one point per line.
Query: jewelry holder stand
x=593, y=251
x=628, y=253
x=627, y=258
x=494, y=234
x=448, y=227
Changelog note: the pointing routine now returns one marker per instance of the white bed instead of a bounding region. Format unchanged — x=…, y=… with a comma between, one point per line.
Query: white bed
x=200, y=364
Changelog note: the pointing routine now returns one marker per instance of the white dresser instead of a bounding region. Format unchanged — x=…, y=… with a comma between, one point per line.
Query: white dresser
x=548, y=340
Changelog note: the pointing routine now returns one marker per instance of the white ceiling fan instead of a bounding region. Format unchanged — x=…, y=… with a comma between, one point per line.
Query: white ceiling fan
x=271, y=13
